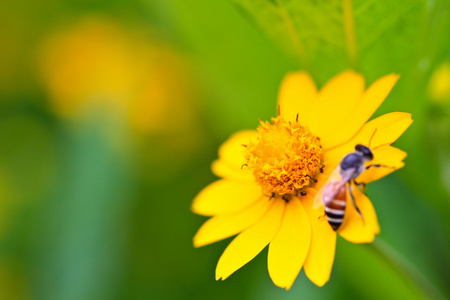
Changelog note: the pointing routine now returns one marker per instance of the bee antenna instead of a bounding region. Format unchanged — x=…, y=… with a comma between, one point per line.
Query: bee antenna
x=379, y=146
x=372, y=136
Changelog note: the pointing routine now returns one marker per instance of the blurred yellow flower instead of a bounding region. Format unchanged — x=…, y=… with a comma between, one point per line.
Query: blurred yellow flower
x=98, y=66
x=439, y=85
x=138, y=87
x=271, y=176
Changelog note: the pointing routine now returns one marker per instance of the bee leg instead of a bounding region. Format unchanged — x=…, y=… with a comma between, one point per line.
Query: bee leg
x=379, y=166
x=354, y=203
x=324, y=215
x=360, y=185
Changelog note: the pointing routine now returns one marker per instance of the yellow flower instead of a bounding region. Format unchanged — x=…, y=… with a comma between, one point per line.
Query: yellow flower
x=271, y=176
x=439, y=85
x=98, y=65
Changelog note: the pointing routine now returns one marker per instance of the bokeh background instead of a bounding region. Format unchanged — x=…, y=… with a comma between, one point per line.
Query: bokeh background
x=112, y=111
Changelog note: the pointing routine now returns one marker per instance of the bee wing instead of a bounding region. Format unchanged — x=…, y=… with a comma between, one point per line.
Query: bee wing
x=334, y=177
x=347, y=175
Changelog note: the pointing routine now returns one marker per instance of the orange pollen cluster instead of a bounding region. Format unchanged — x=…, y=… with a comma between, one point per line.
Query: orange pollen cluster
x=285, y=158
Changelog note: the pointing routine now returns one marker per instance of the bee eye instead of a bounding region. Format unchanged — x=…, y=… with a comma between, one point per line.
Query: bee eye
x=359, y=148
x=366, y=152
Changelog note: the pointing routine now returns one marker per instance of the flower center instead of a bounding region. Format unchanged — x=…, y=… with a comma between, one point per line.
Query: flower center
x=285, y=157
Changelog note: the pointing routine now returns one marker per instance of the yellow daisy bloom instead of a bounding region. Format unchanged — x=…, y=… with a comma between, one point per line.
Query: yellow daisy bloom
x=270, y=176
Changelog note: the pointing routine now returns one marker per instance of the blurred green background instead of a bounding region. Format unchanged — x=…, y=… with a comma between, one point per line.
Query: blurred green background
x=112, y=111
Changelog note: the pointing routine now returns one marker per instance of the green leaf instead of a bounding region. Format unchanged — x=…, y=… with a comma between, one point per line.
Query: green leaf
x=327, y=36
x=78, y=242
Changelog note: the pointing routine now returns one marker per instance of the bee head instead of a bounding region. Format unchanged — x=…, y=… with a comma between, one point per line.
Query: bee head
x=365, y=151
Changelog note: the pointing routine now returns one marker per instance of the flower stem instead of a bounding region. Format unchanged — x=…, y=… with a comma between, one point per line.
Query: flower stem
x=349, y=30
x=303, y=56
x=406, y=269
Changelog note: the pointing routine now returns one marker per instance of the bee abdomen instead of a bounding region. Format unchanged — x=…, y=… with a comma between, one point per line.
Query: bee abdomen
x=335, y=212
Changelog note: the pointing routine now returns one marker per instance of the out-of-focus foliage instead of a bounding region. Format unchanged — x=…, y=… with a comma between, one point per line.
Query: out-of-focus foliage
x=375, y=37
x=112, y=111
x=129, y=77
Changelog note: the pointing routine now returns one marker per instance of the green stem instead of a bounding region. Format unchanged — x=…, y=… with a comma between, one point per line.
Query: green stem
x=406, y=269
x=303, y=56
x=350, y=34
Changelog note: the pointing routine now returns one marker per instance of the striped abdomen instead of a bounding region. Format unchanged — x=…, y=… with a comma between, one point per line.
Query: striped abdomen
x=335, y=208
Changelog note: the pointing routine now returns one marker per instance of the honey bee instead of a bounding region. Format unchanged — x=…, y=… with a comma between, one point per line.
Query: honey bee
x=333, y=193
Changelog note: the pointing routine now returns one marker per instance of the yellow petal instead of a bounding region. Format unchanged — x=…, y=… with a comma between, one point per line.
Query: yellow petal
x=388, y=156
x=297, y=96
x=251, y=241
x=361, y=112
x=223, y=226
x=230, y=164
x=224, y=170
x=354, y=229
x=340, y=88
x=389, y=128
x=288, y=249
x=336, y=101
x=319, y=260
x=232, y=151
x=366, y=106
x=225, y=196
